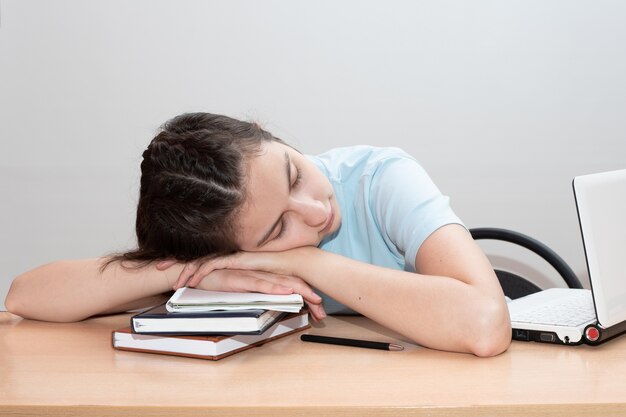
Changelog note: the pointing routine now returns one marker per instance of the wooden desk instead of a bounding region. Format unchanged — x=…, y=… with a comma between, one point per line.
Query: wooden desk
x=71, y=369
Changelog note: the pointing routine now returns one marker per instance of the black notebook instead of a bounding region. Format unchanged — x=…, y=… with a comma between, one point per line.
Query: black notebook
x=206, y=346
x=158, y=320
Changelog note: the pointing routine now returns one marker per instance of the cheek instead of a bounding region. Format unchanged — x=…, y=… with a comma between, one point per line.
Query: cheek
x=320, y=186
x=303, y=235
x=298, y=237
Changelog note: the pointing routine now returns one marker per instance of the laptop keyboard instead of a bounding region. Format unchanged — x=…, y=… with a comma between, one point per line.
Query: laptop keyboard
x=571, y=311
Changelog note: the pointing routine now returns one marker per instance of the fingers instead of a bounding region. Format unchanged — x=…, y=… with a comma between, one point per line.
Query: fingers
x=264, y=282
x=306, y=292
x=317, y=311
x=276, y=284
x=311, y=298
x=163, y=265
x=199, y=273
x=196, y=271
x=269, y=287
x=186, y=274
x=203, y=269
x=220, y=278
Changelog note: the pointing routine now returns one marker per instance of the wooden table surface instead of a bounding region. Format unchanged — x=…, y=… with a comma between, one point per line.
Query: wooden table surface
x=71, y=369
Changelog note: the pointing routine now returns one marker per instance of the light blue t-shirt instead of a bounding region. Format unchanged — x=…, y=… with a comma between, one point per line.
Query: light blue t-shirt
x=389, y=206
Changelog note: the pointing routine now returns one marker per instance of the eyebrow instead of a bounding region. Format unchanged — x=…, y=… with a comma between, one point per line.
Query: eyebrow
x=271, y=229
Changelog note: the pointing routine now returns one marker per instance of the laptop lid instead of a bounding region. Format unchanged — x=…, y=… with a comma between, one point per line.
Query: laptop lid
x=601, y=203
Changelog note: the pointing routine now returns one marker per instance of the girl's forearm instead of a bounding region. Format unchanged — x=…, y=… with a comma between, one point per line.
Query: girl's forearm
x=74, y=290
x=435, y=311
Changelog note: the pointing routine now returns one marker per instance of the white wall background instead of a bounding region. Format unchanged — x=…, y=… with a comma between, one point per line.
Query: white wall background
x=502, y=101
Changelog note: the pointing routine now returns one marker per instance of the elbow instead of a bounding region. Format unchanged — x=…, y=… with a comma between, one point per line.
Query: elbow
x=13, y=302
x=492, y=347
x=492, y=335
x=21, y=302
x=18, y=301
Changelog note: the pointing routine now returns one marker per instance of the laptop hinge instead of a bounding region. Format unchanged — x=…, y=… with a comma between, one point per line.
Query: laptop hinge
x=595, y=334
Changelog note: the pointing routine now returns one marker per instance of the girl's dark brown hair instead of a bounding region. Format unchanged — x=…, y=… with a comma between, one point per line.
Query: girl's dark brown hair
x=192, y=187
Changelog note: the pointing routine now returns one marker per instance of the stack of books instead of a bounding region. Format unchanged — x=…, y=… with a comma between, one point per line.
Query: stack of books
x=211, y=324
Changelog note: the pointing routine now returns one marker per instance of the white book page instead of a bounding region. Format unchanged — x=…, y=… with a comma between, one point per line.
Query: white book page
x=192, y=299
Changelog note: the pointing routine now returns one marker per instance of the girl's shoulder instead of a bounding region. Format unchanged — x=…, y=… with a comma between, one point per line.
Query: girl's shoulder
x=363, y=152
x=358, y=160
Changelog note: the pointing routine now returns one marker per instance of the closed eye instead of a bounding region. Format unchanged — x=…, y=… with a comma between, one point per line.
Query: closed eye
x=283, y=223
x=296, y=182
x=283, y=228
x=298, y=179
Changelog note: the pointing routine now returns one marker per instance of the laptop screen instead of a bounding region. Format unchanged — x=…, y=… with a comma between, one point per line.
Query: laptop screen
x=601, y=204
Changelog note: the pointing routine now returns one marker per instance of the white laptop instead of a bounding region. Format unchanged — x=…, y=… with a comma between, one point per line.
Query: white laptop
x=575, y=316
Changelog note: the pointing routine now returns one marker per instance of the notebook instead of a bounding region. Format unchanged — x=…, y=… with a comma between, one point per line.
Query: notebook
x=194, y=300
x=158, y=320
x=552, y=315
x=212, y=347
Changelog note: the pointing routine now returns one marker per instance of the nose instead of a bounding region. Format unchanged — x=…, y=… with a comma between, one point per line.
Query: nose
x=312, y=211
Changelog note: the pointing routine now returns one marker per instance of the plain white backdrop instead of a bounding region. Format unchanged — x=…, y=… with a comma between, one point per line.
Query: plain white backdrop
x=503, y=102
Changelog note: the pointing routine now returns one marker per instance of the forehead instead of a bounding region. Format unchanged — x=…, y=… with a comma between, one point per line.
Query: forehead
x=267, y=187
x=264, y=170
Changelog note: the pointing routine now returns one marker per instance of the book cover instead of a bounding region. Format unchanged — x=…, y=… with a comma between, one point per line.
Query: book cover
x=158, y=320
x=211, y=347
x=192, y=299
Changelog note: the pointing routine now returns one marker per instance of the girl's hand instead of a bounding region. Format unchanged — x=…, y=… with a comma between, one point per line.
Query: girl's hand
x=227, y=278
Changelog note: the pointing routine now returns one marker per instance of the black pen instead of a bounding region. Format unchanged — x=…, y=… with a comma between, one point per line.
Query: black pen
x=350, y=342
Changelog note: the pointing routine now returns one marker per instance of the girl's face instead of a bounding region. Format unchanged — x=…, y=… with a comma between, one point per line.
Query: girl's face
x=290, y=202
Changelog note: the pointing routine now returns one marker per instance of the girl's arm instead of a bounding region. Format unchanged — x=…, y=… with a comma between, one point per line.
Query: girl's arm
x=75, y=290
x=67, y=291
x=454, y=303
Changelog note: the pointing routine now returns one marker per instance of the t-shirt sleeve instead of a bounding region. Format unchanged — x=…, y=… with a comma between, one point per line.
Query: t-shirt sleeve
x=407, y=204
